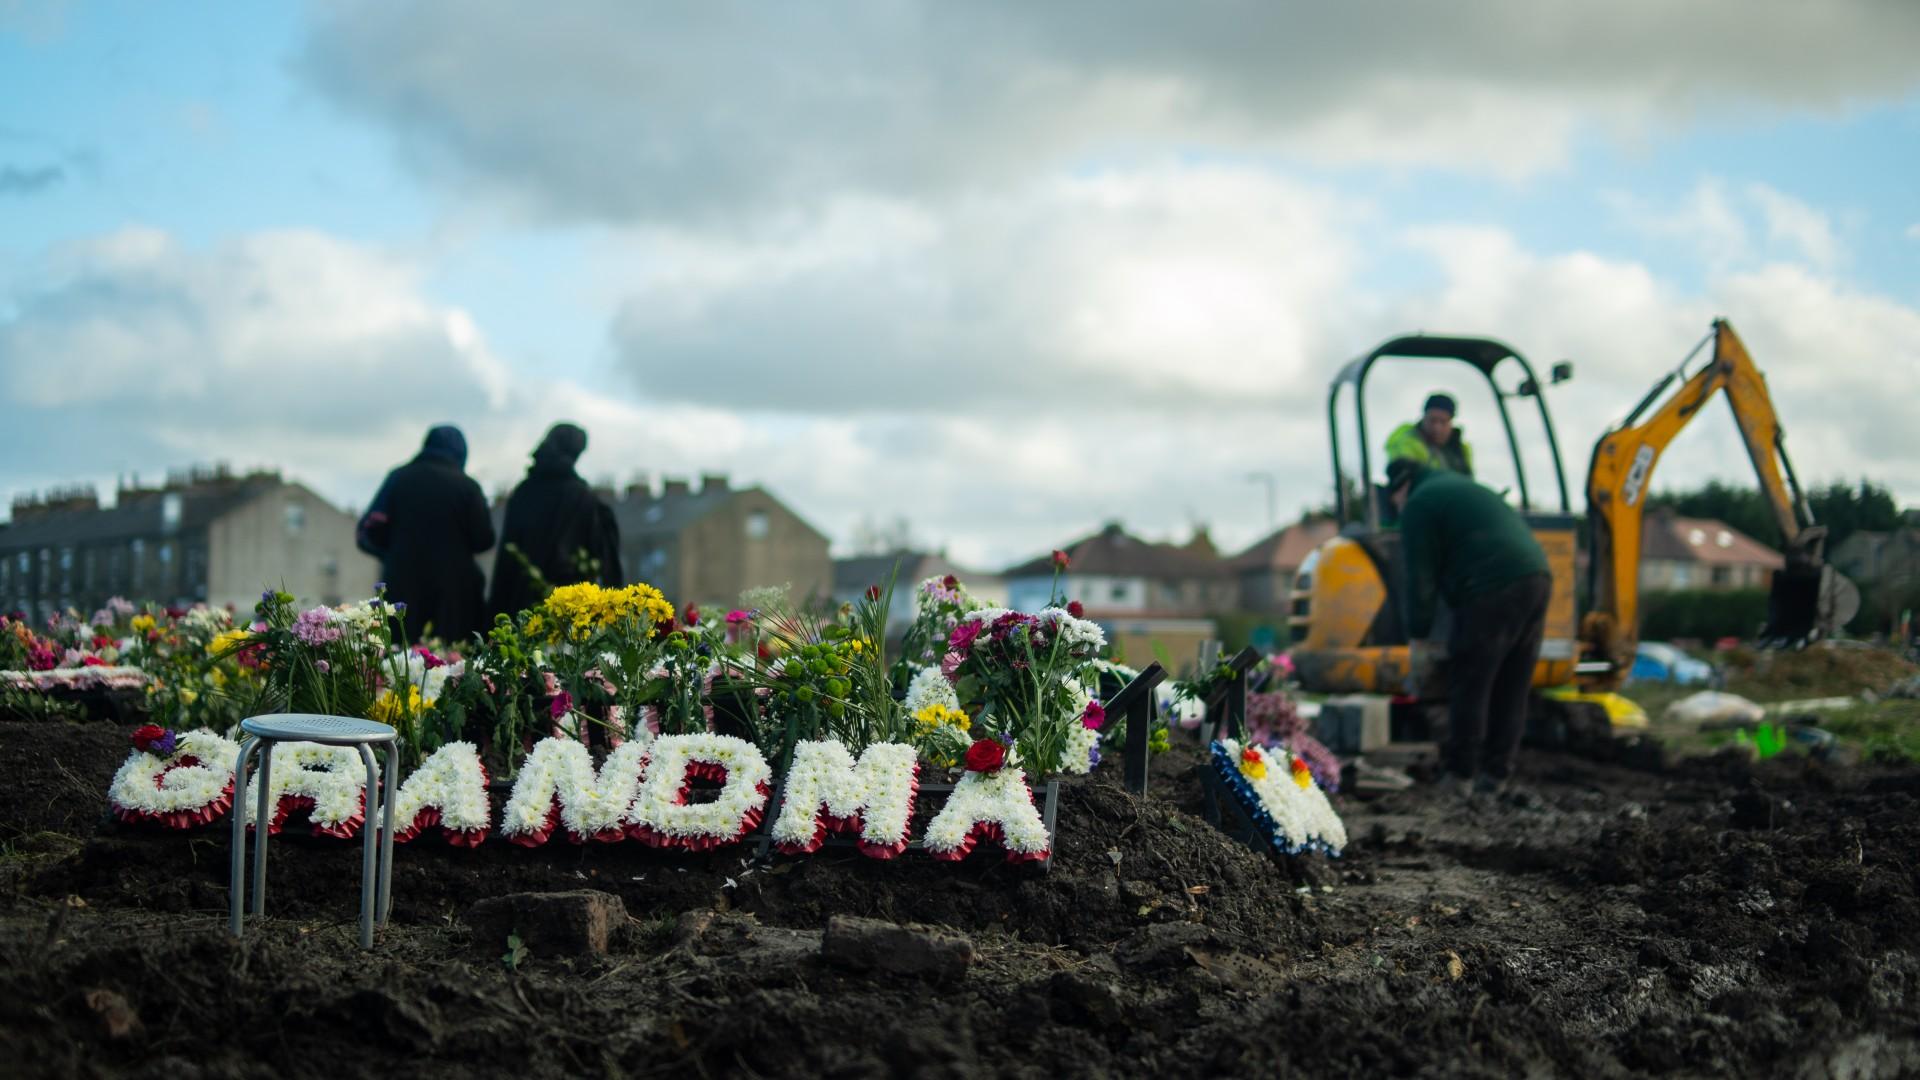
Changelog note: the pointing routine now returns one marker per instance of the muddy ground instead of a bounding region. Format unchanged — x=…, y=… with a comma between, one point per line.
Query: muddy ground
x=1716, y=918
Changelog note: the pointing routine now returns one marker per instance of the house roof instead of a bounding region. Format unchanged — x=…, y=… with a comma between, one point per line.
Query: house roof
x=860, y=571
x=136, y=515
x=641, y=513
x=1673, y=538
x=1113, y=551
x=1285, y=549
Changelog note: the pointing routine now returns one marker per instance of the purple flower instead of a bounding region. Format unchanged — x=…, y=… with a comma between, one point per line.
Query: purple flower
x=322, y=666
x=1093, y=755
x=165, y=744
x=316, y=627
x=379, y=586
x=400, y=608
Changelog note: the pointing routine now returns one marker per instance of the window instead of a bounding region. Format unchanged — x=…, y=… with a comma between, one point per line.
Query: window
x=170, y=513
x=296, y=517
x=1723, y=538
x=137, y=554
x=66, y=570
x=1682, y=575
x=757, y=525
x=1723, y=575
x=1117, y=592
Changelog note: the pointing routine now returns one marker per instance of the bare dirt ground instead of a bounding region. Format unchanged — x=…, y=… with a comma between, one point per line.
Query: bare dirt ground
x=1716, y=918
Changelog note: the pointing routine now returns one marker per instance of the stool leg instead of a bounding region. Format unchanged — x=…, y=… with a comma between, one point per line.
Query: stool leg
x=262, y=826
x=389, y=792
x=369, y=841
x=237, y=880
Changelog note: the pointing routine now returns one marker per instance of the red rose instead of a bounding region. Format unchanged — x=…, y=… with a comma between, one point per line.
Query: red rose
x=1061, y=561
x=873, y=592
x=1076, y=609
x=986, y=755
x=962, y=637
x=147, y=736
x=950, y=581
x=692, y=615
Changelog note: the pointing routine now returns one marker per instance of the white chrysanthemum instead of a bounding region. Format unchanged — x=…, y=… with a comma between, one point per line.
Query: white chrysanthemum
x=656, y=806
x=139, y=786
x=1078, y=635
x=1077, y=758
x=560, y=770
x=824, y=776
x=334, y=777
x=997, y=798
x=930, y=687
x=1302, y=816
x=452, y=781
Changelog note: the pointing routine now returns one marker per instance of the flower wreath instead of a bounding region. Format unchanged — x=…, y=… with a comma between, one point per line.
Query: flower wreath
x=327, y=781
x=104, y=676
x=1277, y=791
x=449, y=789
x=827, y=791
x=662, y=816
x=557, y=786
x=175, y=782
x=991, y=804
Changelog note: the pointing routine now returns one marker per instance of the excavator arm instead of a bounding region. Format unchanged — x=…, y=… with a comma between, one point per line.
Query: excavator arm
x=1807, y=601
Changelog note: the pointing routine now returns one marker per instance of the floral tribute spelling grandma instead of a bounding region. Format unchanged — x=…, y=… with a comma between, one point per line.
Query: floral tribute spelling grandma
x=1006, y=706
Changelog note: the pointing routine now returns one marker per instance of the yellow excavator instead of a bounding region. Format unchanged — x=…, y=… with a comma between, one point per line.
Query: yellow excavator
x=1345, y=616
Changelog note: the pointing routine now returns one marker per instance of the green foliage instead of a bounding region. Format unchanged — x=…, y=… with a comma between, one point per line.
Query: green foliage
x=516, y=953
x=1702, y=614
x=1843, y=508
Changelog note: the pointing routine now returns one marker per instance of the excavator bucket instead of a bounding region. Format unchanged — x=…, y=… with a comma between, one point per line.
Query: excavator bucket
x=1807, y=603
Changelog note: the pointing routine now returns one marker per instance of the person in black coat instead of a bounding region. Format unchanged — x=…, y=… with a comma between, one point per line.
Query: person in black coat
x=425, y=525
x=558, y=526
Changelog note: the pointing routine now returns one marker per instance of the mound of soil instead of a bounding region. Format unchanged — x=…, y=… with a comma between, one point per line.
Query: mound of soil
x=1713, y=918
x=1826, y=670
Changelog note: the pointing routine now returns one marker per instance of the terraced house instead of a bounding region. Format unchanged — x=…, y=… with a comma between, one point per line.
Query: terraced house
x=205, y=536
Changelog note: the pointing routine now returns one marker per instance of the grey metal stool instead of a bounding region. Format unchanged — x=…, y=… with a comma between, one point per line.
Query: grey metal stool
x=265, y=731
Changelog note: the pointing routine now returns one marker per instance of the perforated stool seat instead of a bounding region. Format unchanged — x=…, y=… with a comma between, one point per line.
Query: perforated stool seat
x=376, y=827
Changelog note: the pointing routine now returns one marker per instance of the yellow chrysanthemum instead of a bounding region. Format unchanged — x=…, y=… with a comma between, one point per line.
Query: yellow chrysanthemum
x=142, y=623
x=388, y=707
x=227, y=643
x=582, y=610
x=939, y=715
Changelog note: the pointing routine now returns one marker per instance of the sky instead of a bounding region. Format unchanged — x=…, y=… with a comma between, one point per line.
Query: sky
x=1002, y=271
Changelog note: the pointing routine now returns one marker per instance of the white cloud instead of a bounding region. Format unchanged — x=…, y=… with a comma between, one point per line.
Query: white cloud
x=720, y=112
x=1124, y=344
x=1913, y=231
x=1184, y=286
x=1797, y=225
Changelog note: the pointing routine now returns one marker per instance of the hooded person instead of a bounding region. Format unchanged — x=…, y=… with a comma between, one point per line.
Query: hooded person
x=556, y=528
x=425, y=525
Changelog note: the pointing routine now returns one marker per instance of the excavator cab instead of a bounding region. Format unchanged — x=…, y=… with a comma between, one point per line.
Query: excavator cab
x=1345, y=614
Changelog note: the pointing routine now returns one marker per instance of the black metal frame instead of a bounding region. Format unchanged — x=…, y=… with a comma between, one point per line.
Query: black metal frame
x=1483, y=354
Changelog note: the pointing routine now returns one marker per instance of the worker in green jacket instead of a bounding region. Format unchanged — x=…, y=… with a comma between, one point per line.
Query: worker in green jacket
x=1433, y=441
x=1465, y=544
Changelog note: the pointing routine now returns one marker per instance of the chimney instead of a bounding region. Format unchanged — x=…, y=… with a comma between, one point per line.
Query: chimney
x=715, y=483
x=673, y=488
